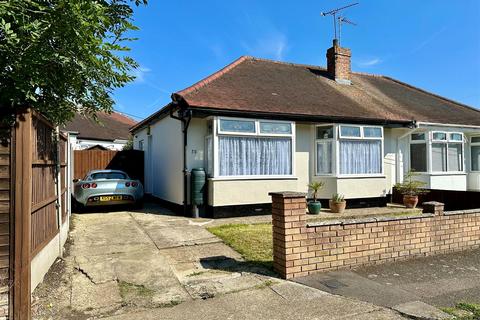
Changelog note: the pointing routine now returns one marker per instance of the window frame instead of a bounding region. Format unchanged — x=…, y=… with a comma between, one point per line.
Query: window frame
x=447, y=141
x=473, y=144
x=337, y=138
x=334, y=148
x=425, y=141
x=218, y=133
x=429, y=141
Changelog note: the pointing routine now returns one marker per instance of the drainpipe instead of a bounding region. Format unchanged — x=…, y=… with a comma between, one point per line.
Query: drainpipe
x=185, y=116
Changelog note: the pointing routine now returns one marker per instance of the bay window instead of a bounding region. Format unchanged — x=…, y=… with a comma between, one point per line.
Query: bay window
x=418, y=152
x=444, y=149
x=254, y=148
x=324, y=150
x=475, y=153
x=359, y=150
x=447, y=152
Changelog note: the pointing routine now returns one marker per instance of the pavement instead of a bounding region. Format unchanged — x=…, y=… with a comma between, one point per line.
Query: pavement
x=155, y=265
x=439, y=281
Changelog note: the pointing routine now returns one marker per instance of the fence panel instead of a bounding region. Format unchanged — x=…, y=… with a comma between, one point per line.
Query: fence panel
x=44, y=222
x=130, y=161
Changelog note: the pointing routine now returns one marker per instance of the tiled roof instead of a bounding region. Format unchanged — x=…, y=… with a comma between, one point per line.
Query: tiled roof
x=263, y=86
x=110, y=127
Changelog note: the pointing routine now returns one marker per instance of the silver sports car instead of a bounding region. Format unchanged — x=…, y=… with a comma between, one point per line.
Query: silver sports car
x=107, y=187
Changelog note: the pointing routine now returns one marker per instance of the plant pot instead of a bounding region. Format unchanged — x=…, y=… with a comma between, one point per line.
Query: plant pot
x=337, y=207
x=314, y=207
x=410, y=201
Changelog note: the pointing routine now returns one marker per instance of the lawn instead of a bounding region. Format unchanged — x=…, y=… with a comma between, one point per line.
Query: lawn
x=252, y=241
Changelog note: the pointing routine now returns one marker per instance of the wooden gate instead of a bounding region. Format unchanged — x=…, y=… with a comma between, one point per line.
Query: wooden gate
x=130, y=161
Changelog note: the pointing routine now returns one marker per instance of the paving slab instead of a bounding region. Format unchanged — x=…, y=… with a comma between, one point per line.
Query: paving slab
x=267, y=304
x=422, y=311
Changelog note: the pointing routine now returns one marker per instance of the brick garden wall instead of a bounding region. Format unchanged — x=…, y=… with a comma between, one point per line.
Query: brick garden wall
x=301, y=249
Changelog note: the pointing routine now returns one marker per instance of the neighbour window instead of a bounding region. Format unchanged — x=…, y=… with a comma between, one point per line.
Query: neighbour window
x=255, y=148
x=360, y=150
x=475, y=153
x=418, y=152
x=140, y=145
x=324, y=143
x=447, y=152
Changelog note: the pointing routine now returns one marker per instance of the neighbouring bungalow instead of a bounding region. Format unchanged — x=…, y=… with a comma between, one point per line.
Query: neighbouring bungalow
x=259, y=126
x=111, y=132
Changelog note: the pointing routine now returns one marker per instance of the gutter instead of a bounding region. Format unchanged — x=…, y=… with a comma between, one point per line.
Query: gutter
x=185, y=116
x=447, y=125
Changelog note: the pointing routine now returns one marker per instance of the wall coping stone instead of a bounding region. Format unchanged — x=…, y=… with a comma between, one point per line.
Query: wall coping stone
x=469, y=211
x=366, y=220
x=288, y=194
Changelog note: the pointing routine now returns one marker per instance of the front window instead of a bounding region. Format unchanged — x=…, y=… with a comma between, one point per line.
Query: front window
x=324, y=143
x=254, y=148
x=361, y=154
x=418, y=152
x=475, y=153
x=359, y=150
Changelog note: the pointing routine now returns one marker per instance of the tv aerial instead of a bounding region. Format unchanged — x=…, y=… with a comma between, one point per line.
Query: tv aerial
x=338, y=21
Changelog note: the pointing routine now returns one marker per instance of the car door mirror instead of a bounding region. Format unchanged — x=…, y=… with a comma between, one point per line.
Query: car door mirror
x=76, y=180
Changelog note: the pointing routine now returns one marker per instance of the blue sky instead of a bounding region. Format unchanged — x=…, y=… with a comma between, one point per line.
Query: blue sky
x=432, y=44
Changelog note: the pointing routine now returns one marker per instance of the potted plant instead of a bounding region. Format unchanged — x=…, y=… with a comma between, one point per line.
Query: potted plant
x=315, y=206
x=411, y=189
x=337, y=203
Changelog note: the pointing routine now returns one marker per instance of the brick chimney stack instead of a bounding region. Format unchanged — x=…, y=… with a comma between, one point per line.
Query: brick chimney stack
x=338, y=63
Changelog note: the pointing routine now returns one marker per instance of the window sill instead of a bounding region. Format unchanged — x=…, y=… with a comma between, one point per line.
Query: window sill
x=447, y=173
x=363, y=176
x=253, y=178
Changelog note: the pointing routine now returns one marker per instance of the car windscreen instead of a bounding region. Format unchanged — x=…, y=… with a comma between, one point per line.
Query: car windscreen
x=108, y=175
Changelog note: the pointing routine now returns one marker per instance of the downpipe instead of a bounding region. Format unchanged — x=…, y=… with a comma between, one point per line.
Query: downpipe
x=184, y=116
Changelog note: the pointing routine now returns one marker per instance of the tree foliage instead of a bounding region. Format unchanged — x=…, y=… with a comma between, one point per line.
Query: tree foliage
x=60, y=56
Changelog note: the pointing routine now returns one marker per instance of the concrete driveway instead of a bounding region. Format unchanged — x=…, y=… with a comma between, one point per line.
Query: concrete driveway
x=155, y=265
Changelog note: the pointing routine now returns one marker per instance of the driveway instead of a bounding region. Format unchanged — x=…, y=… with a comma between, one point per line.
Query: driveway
x=155, y=265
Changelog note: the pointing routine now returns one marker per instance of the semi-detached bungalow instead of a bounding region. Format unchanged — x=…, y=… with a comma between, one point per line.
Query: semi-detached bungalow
x=259, y=126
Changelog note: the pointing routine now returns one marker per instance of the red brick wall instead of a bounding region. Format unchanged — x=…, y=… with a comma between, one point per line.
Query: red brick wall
x=301, y=249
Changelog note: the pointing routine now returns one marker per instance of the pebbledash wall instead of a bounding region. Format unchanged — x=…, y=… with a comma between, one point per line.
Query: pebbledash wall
x=302, y=248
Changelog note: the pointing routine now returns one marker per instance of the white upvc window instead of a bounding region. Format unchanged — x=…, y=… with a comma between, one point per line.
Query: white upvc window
x=437, y=152
x=475, y=153
x=418, y=151
x=325, y=149
x=251, y=148
x=447, y=151
x=349, y=150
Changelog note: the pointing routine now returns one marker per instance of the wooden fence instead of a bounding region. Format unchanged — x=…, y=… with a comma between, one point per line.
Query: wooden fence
x=130, y=161
x=33, y=204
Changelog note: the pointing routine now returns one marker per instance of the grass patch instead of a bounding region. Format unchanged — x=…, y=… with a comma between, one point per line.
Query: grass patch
x=464, y=311
x=253, y=241
x=128, y=289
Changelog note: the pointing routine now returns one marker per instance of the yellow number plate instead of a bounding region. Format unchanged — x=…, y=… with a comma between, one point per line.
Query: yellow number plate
x=110, y=198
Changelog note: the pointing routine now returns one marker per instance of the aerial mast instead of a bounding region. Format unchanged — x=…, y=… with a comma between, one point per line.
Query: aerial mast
x=338, y=20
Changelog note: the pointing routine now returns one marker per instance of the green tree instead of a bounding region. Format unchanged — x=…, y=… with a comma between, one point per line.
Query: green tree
x=64, y=56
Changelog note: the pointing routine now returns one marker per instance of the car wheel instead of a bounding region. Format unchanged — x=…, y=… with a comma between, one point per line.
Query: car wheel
x=77, y=207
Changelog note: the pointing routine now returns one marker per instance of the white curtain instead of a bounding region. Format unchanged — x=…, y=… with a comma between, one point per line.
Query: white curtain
x=324, y=157
x=242, y=156
x=360, y=156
